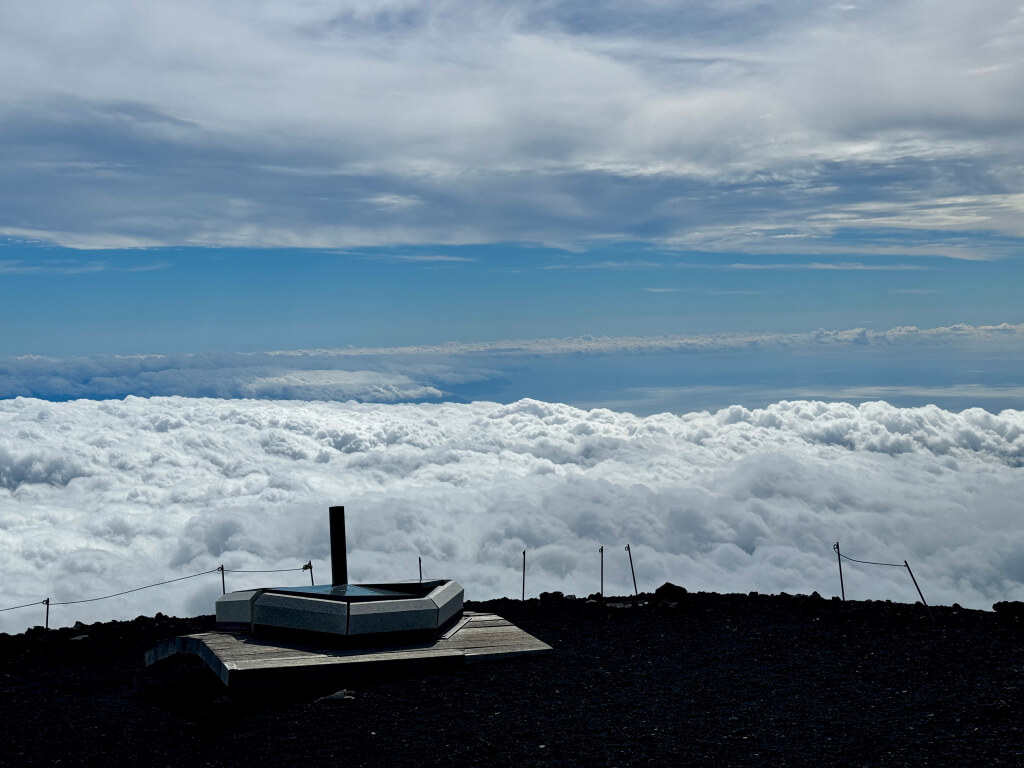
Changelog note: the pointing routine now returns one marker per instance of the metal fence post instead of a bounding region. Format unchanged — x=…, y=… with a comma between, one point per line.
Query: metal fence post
x=839, y=557
x=524, y=576
x=923, y=601
x=630, y=553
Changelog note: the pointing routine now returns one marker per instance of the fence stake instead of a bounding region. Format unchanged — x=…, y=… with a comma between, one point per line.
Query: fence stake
x=630, y=553
x=420, y=558
x=223, y=586
x=601, y=550
x=839, y=557
x=309, y=567
x=47, y=603
x=930, y=616
x=524, y=575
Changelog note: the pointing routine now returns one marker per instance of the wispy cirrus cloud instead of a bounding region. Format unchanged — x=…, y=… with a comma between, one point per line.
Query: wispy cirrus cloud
x=837, y=266
x=434, y=258
x=69, y=267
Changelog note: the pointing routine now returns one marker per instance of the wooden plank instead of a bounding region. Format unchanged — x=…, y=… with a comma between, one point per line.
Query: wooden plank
x=483, y=637
x=242, y=661
x=499, y=623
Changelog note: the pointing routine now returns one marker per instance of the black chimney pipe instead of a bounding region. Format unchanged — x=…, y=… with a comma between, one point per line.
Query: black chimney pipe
x=339, y=550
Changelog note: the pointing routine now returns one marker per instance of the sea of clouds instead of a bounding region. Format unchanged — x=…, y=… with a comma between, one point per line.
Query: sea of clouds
x=98, y=497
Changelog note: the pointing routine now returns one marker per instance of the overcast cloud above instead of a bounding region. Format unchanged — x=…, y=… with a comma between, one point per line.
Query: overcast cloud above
x=739, y=127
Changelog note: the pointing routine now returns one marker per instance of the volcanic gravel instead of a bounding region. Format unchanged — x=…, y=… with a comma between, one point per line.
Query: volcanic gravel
x=670, y=678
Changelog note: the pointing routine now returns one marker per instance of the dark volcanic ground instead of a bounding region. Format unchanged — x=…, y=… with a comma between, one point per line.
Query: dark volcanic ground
x=694, y=679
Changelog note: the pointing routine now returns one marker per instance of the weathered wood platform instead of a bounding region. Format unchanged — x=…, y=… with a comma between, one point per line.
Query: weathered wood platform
x=244, y=662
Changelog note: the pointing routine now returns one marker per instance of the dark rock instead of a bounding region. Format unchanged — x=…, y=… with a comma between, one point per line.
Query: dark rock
x=1013, y=608
x=670, y=592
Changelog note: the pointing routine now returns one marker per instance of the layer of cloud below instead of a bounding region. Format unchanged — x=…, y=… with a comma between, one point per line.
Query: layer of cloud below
x=102, y=496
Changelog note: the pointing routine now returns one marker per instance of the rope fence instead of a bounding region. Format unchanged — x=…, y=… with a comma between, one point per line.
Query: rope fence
x=842, y=586
x=308, y=566
x=26, y=605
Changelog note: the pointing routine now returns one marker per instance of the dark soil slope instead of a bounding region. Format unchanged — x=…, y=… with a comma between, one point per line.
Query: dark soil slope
x=672, y=679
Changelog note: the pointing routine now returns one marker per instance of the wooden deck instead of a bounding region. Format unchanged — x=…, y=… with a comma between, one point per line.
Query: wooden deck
x=244, y=662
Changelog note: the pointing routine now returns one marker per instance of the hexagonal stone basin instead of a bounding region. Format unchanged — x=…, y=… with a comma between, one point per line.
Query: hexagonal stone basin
x=358, y=593
x=367, y=613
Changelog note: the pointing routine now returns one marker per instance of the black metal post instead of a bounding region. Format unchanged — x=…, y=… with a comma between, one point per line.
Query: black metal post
x=601, y=550
x=923, y=601
x=839, y=557
x=524, y=576
x=309, y=567
x=339, y=547
x=420, y=558
x=630, y=553
x=223, y=585
x=47, y=602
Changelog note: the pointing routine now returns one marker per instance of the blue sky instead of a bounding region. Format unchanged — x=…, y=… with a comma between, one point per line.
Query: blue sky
x=65, y=302
x=224, y=178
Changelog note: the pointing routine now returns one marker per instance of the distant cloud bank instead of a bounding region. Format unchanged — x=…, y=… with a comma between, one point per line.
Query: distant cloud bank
x=102, y=496
x=453, y=371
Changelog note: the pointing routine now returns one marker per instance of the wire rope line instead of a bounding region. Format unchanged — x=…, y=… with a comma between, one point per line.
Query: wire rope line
x=26, y=605
x=869, y=562
x=137, y=589
x=273, y=570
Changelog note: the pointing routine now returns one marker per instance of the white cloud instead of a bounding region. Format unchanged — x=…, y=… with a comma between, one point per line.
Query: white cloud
x=99, y=497
x=393, y=201
x=839, y=266
x=70, y=267
x=435, y=258
x=366, y=386
x=452, y=122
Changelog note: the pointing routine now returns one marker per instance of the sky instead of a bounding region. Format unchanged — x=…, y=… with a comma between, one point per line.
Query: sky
x=655, y=210
x=284, y=175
